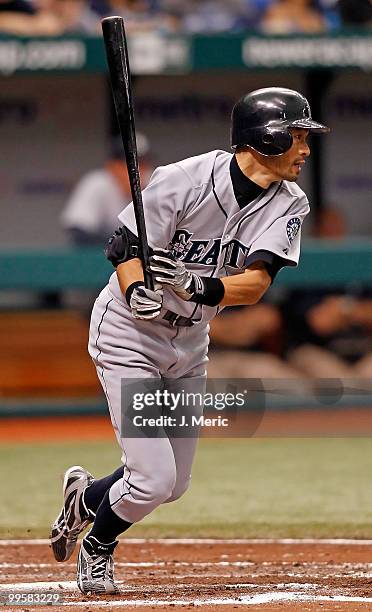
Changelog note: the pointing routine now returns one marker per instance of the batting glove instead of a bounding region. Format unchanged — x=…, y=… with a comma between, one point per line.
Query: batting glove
x=146, y=304
x=168, y=270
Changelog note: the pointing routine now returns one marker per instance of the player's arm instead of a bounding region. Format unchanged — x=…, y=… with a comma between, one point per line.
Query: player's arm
x=123, y=251
x=277, y=247
x=243, y=289
x=246, y=288
x=128, y=273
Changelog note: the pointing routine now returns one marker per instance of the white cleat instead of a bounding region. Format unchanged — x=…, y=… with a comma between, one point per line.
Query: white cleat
x=74, y=516
x=95, y=568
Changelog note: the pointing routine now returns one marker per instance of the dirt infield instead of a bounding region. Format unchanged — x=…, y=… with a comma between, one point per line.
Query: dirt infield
x=212, y=575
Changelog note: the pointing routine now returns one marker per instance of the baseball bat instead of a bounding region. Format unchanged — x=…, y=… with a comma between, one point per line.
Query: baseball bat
x=118, y=63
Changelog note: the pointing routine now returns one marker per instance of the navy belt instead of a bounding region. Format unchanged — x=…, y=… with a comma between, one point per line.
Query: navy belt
x=176, y=320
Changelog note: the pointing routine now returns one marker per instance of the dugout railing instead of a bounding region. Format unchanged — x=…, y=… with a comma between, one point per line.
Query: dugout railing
x=323, y=264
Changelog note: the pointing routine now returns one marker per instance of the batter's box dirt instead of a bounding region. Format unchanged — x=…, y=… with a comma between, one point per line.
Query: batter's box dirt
x=212, y=576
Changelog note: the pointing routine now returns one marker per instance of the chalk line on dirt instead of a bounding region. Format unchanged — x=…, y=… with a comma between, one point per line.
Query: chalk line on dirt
x=243, y=600
x=191, y=541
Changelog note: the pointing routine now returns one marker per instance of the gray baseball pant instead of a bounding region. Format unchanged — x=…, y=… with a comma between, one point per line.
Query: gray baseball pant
x=156, y=470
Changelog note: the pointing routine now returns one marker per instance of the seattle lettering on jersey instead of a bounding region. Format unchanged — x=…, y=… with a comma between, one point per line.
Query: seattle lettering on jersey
x=206, y=252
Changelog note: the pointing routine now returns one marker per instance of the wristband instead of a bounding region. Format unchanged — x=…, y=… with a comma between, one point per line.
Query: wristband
x=208, y=291
x=131, y=288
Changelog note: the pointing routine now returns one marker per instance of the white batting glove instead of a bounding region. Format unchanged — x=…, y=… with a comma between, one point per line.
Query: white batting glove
x=168, y=270
x=145, y=303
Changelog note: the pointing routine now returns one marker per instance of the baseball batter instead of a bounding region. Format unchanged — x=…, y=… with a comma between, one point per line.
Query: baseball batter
x=220, y=227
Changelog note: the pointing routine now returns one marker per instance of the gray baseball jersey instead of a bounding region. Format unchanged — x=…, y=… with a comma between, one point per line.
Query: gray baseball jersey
x=190, y=207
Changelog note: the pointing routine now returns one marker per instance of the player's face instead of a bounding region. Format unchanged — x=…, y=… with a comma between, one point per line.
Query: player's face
x=289, y=165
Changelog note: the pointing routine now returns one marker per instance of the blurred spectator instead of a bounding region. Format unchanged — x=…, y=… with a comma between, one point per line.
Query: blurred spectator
x=75, y=16
x=331, y=13
x=139, y=15
x=50, y=18
x=330, y=331
x=34, y=22
x=356, y=12
x=17, y=6
x=90, y=216
x=213, y=15
x=293, y=16
x=54, y=17
x=245, y=343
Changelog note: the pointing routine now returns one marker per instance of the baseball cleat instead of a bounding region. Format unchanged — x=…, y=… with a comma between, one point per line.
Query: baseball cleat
x=95, y=568
x=74, y=516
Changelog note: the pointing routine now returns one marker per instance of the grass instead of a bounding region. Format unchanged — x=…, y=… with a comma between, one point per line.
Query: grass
x=314, y=487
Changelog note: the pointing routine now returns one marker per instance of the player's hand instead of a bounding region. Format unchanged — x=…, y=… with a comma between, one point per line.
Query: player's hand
x=145, y=303
x=168, y=270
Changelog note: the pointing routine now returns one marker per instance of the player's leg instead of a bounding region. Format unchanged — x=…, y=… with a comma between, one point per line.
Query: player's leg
x=95, y=492
x=184, y=443
x=165, y=466
x=82, y=495
x=74, y=516
x=184, y=453
x=148, y=473
x=148, y=480
x=149, y=468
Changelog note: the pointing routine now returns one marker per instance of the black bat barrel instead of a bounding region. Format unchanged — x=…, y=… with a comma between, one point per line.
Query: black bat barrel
x=118, y=63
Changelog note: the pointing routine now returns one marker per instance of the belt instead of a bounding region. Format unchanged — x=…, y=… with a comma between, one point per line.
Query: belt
x=176, y=320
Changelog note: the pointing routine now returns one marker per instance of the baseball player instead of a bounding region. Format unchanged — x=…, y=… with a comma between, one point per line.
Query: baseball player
x=91, y=213
x=220, y=227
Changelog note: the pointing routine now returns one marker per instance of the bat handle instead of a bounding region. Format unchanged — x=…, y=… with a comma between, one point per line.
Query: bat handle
x=147, y=277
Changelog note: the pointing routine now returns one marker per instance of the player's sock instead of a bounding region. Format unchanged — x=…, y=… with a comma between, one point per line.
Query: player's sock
x=94, y=494
x=107, y=525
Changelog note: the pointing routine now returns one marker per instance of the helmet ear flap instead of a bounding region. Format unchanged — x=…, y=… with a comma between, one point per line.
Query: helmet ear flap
x=275, y=140
x=269, y=140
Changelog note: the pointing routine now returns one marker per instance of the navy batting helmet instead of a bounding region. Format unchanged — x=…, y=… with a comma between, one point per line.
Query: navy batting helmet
x=262, y=120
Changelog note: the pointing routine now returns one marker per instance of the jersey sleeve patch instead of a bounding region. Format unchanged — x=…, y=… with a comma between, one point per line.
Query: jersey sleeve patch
x=293, y=226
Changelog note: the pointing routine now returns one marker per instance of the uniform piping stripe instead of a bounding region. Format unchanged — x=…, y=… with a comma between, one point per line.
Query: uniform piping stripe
x=109, y=404
x=100, y=351
x=216, y=196
x=260, y=208
x=193, y=312
x=171, y=341
x=127, y=492
x=99, y=327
